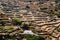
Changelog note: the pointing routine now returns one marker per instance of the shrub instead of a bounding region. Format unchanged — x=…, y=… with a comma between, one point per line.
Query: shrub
x=25, y=26
x=32, y=37
x=1, y=28
x=17, y=21
x=20, y=31
x=10, y=30
x=43, y=8
x=57, y=14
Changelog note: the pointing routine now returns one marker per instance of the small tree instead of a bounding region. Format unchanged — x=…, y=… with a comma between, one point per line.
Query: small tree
x=25, y=26
x=17, y=21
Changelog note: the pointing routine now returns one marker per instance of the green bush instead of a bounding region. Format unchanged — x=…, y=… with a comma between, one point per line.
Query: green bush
x=32, y=37
x=43, y=8
x=57, y=14
x=10, y=30
x=20, y=31
x=13, y=38
x=1, y=28
x=25, y=26
x=17, y=21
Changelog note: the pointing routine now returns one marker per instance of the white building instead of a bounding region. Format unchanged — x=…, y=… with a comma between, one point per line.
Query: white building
x=28, y=32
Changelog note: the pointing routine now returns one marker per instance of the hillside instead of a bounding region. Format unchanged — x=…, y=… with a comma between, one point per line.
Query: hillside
x=39, y=17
